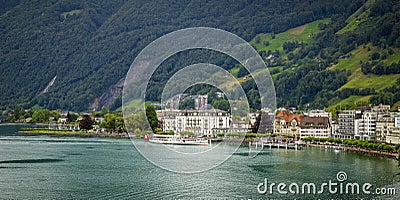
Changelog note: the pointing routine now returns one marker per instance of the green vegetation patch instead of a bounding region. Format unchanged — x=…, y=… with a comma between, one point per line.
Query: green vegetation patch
x=302, y=33
x=378, y=82
x=394, y=58
x=357, y=18
x=372, y=145
x=357, y=79
x=353, y=24
x=352, y=60
x=352, y=101
x=70, y=13
x=395, y=106
x=53, y=131
x=235, y=71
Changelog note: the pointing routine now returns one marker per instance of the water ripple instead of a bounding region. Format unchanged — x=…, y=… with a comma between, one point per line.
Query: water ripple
x=41, y=160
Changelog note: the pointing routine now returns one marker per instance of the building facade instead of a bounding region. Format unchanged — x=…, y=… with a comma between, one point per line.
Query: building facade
x=240, y=126
x=287, y=123
x=200, y=122
x=393, y=136
x=346, y=124
x=397, y=120
x=200, y=101
x=385, y=122
x=365, y=127
x=318, y=127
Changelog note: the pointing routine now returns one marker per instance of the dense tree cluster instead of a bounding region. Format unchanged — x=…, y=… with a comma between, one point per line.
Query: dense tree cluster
x=86, y=122
x=366, y=144
x=380, y=68
x=346, y=92
x=186, y=104
x=290, y=46
x=113, y=123
x=35, y=114
x=309, y=85
x=152, y=117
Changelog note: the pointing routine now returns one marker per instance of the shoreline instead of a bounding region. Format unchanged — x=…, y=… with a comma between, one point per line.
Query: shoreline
x=358, y=151
x=84, y=135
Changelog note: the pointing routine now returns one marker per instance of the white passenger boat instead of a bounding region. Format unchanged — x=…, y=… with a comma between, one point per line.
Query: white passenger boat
x=177, y=140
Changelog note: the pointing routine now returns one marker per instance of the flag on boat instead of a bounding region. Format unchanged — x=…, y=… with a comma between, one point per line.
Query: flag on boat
x=146, y=137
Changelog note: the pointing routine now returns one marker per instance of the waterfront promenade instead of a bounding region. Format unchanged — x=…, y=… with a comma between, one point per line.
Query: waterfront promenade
x=357, y=150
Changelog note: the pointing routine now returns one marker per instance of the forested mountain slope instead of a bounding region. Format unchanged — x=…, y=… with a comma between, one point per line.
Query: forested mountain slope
x=343, y=63
x=87, y=46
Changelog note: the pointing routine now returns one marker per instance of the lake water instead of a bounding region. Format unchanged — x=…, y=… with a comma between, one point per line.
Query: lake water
x=42, y=167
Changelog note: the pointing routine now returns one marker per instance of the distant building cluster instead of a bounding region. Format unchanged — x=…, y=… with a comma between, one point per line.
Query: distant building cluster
x=212, y=121
x=316, y=123
x=368, y=123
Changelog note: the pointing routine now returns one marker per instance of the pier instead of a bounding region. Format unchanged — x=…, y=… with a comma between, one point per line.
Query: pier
x=285, y=146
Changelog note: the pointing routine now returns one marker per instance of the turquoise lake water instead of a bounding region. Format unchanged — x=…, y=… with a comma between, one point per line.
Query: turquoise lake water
x=43, y=167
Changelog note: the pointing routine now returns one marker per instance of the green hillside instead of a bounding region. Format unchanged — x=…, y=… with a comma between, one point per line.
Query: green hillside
x=351, y=102
x=303, y=33
x=358, y=17
x=73, y=55
x=360, y=80
x=348, y=62
x=90, y=44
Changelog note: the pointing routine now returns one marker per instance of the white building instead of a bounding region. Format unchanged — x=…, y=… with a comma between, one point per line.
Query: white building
x=397, y=120
x=200, y=122
x=381, y=108
x=239, y=126
x=384, y=123
x=365, y=127
x=99, y=120
x=200, y=101
x=253, y=117
x=62, y=120
x=203, y=122
x=393, y=137
x=318, y=127
x=358, y=128
x=167, y=119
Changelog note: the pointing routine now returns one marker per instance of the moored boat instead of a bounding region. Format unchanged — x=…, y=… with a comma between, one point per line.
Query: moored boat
x=177, y=140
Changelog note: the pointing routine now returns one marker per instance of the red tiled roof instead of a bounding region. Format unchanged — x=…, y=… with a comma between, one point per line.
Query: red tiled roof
x=288, y=116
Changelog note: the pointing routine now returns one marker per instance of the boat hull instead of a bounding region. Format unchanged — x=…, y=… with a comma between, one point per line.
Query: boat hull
x=180, y=142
